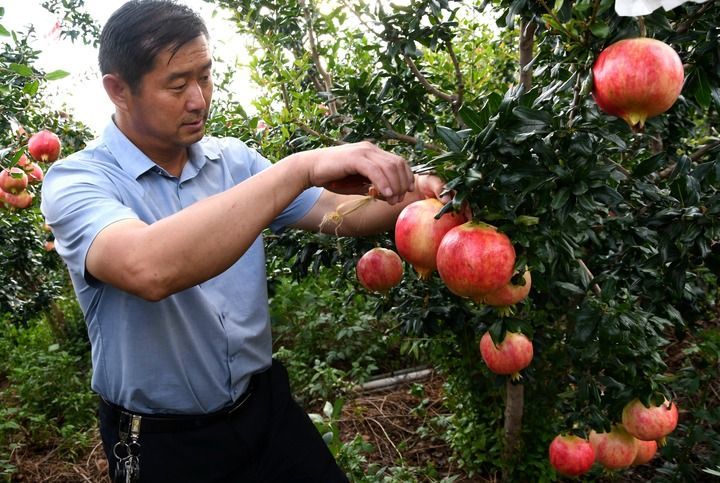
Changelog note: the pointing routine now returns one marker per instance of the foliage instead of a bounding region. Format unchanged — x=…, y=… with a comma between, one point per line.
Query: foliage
x=29, y=276
x=324, y=330
x=44, y=355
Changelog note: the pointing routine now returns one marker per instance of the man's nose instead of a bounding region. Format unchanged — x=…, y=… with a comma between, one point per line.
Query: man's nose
x=196, y=98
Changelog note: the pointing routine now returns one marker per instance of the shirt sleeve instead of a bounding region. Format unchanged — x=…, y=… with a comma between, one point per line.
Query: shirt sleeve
x=78, y=204
x=298, y=208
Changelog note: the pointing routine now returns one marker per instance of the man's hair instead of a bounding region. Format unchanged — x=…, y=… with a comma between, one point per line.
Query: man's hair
x=140, y=30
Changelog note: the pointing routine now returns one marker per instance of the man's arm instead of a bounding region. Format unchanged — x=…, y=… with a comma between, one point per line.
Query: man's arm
x=203, y=240
x=376, y=216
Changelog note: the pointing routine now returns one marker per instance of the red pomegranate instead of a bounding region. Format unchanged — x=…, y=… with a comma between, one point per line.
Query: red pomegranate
x=646, y=452
x=510, y=356
x=650, y=423
x=475, y=259
x=379, y=270
x=13, y=180
x=509, y=294
x=636, y=79
x=44, y=146
x=418, y=234
x=571, y=455
x=616, y=449
x=19, y=201
x=33, y=170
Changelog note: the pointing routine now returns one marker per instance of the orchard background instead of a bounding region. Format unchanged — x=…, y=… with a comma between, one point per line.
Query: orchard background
x=620, y=230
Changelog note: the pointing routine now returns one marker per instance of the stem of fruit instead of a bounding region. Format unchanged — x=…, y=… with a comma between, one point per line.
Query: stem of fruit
x=641, y=26
x=342, y=210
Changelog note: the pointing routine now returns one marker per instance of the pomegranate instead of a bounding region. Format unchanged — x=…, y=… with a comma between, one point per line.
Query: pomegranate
x=510, y=356
x=650, y=423
x=418, y=234
x=379, y=270
x=616, y=449
x=646, y=452
x=636, y=79
x=44, y=146
x=33, y=170
x=509, y=294
x=13, y=180
x=16, y=201
x=475, y=259
x=571, y=455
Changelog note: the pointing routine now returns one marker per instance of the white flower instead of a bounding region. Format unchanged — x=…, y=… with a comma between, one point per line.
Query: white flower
x=634, y=8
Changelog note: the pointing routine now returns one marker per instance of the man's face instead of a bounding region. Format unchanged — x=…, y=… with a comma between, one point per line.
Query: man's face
x=171, y=106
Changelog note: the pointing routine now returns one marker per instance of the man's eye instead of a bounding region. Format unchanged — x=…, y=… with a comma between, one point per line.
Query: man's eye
x=178, y=88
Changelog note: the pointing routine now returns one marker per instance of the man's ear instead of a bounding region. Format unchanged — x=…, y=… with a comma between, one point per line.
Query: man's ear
x=117, y=89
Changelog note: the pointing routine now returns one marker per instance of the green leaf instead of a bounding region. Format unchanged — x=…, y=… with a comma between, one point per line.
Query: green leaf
x=4, y=32
x=702, y=93
x=21, y=69
x=450, y=138
x=31, y=87
x=56, y=75
x=473, y=119
x=600, y=29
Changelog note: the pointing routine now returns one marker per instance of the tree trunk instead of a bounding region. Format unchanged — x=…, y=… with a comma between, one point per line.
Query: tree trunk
x=514, y=399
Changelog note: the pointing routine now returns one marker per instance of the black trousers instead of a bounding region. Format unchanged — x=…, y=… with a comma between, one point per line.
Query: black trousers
x=268, y=439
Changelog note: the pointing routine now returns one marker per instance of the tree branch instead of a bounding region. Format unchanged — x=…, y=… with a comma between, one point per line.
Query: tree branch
x=426, y=84
x=326, y=78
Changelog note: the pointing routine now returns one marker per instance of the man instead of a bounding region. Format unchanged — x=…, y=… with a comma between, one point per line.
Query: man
x=161, y=228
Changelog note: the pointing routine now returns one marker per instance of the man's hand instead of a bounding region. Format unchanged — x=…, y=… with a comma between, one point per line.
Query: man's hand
x=353, y=168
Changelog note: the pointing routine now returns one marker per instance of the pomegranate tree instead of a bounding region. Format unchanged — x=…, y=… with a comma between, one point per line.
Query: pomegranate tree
x=44, y=146
x=418, y=233
x=513, y=354
x=616, y=449
x=571, y=455
x=636, y=79
x=475, y=259
x=652, y=422
x=379, y=270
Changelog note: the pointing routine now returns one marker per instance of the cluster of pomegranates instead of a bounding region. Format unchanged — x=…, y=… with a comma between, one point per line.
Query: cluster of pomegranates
x=43, y=146
x=473, y=259
x=633, y=442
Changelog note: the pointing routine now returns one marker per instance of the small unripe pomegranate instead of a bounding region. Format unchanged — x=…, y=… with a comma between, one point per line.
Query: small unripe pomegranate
x=44, y=146
x=509, y=294
x=571, y=455
x=646, y=452
x=418, y=234
x=13, y=180
x=475, y=259
x=636, y=79
x=652, y=423
x=379, y=270
x=508, y=358
x=616, y=449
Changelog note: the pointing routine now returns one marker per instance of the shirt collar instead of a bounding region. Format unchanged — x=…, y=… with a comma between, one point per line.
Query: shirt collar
x=136, y=163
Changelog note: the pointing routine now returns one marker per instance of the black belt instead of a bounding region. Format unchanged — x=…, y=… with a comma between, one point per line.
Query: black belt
x=165, y=423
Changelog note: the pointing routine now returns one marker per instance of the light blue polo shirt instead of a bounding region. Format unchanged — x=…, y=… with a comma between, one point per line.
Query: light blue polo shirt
x=194, y=351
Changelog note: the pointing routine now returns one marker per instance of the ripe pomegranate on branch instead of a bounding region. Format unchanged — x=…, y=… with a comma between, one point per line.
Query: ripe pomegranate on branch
x=636, y=79
x=379, y=270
